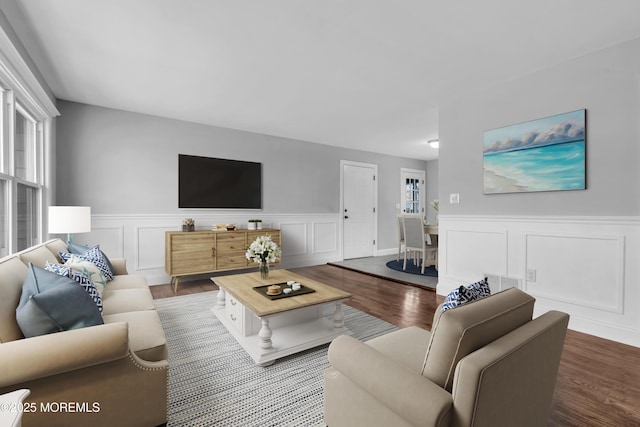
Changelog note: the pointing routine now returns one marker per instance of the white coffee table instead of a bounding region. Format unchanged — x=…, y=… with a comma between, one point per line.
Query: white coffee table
x=270, y=329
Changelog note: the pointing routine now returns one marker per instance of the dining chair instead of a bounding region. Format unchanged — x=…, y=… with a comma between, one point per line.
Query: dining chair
x=415, y=242
x=400, y=235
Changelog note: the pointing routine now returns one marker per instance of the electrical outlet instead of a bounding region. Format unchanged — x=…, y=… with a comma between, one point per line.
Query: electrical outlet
x=531, y=275
x=454, y=198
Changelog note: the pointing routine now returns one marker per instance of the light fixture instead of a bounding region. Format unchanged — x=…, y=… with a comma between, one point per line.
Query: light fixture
x=69, y=219
x=434, y=143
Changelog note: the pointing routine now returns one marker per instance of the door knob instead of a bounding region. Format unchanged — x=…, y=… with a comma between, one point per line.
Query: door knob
x=346, y=217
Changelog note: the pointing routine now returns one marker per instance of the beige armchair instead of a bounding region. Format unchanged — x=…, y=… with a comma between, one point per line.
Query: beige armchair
x=486, y=363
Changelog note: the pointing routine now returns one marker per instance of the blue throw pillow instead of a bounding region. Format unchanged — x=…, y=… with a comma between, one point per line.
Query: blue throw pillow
x=52, y=303
x=77, y=249
x=467, y=294
x=93, y=255
x=80, y=278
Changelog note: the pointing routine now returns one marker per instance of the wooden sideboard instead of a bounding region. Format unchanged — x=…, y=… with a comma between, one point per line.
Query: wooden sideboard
x=199, y=252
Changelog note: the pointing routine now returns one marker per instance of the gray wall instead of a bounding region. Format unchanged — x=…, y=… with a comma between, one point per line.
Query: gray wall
x=606, y=83
x=120, y=162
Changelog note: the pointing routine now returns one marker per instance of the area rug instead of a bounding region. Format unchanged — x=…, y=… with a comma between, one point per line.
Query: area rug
x=213, y=382
x=412, y=268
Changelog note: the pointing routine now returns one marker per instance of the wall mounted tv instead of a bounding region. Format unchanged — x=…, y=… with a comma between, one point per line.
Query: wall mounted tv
x=206, y=182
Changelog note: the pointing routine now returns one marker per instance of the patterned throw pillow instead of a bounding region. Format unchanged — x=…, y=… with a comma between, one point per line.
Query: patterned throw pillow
x=89, y=269
x=77, y=249
x=81, y=278
x=95, y=256
x=467, y=294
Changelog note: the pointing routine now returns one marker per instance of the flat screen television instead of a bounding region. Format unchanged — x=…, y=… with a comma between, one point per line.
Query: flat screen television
x=206, y=182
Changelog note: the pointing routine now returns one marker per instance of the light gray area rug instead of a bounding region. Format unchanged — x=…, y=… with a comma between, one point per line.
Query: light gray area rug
x=214, y=382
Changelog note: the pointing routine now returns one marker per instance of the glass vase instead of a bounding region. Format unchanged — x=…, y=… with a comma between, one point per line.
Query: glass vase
x=264, y=270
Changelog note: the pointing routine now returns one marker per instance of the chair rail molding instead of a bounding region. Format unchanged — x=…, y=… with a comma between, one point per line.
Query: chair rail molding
x=583, y=265
x=307, y=239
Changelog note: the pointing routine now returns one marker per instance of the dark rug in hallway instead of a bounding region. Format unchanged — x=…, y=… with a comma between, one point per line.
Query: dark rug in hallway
x=412, y=268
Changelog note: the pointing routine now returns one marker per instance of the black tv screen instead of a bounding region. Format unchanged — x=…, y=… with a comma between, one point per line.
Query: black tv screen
x=206, y=182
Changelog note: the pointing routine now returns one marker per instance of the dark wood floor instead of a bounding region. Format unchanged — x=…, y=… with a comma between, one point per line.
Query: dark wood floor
x=598, y=382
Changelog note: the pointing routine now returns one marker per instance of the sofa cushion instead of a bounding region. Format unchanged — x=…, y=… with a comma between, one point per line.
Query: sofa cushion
x=89, y=269
x=128, y=281
x=12, y=275
x=464, y=329
x=465, y=294
x=146, y=336
x=38, y=256
x=52, y=303
x=406, y=346
x=126, y=300
x=56, y=246
x=95, y=256
x=80, y=278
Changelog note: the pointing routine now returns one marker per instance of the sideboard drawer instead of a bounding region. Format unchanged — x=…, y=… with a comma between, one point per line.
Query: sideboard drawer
x=232, y=242
x=232, y=261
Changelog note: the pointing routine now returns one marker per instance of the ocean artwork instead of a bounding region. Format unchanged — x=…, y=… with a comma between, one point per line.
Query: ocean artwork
x=541, y=155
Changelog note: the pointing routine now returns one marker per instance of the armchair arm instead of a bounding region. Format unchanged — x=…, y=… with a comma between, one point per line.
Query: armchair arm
x=119, y=266
x=407, y=393
x=32, y=358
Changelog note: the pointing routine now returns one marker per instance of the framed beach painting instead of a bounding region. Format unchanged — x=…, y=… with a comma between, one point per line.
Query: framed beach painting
x=547, y=154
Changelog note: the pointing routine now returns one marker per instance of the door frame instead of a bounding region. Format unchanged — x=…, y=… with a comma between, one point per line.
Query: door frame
x=423, y=189
x=344, y=163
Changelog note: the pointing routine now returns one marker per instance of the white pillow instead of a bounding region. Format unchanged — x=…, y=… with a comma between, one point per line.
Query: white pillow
x=89, y=269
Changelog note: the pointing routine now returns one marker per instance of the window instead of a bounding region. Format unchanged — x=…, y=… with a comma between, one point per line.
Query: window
x=21, y=176
x=4, y=130
x=28, y=216
x=24, y=145
x=4, y=250
x=27, y=109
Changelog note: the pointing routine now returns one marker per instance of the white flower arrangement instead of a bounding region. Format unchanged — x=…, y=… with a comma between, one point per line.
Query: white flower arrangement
x=263, y=249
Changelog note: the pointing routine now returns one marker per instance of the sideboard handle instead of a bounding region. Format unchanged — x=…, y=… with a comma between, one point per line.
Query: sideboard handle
x=233, y=317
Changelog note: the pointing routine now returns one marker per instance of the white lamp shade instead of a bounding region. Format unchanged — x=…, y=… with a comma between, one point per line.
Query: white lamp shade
x=69, y=219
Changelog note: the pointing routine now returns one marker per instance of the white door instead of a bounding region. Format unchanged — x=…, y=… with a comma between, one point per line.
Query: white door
x=412, y=191
x=358, y=209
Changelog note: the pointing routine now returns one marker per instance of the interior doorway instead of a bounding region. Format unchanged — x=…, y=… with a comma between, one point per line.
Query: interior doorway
x=412, y=191
x=358, y=205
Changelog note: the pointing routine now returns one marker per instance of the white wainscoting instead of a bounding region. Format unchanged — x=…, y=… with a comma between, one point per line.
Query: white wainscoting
x=307, y=239
x=587, y=267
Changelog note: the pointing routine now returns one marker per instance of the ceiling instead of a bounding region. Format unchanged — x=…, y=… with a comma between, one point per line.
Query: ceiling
x=362, y=74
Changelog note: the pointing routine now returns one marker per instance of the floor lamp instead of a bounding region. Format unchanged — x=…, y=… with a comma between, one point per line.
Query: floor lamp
x=69, y=219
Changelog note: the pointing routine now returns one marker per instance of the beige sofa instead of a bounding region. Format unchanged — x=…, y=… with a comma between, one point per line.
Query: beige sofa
x=486, y=363
x=111, y=374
